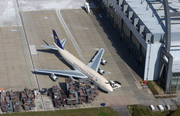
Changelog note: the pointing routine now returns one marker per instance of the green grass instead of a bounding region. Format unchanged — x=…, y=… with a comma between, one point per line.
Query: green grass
x=103, y=111
x=140, y=110
x=176, y=113
x=159, y=85
x=151, y=86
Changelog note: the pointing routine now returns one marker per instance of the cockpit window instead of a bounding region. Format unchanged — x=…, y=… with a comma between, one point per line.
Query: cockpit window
x=106, y=82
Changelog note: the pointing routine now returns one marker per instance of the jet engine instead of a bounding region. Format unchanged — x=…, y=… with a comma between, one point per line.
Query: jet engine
x=54, y=77
x=103, y=61
x=101, y=71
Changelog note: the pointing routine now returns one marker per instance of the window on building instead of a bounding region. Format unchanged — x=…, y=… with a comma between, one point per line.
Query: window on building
x=175, y=79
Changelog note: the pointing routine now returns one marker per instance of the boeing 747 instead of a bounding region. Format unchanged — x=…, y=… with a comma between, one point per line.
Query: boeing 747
x=81, y=70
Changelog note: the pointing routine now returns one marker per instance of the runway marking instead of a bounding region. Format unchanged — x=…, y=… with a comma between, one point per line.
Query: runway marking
x=12, y=26
x=22, y=47
x=36, y=10
x=75, y=14
x=65, y=34
x=62, y=14
x=68, y=32
x=102, y=95
x=18, y=42
x=116, y=100
x=84, y=56
x=38, y=25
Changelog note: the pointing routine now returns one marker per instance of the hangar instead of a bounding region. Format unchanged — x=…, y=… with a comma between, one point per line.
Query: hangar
x=149, y=30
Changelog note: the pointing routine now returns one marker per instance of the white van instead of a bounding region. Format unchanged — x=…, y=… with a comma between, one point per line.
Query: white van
x=152, y=107
x=161, y=108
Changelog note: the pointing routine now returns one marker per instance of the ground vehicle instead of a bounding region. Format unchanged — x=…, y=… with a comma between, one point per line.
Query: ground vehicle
x=115, y=84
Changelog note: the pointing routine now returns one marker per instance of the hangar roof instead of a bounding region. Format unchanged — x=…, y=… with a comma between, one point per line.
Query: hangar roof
x=151, y=12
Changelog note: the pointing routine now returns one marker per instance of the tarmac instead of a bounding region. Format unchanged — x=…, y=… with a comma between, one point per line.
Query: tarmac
x=21, y=52
x=15, y=68
x=88, y=36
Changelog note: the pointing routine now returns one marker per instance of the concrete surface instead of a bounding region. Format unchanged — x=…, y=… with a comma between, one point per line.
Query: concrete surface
x=48, y=103
x=15, y=68
x=39, y=104
x=122, y=110
x=30, y=27
x=9, y=13
x=126, y=65
x=87, y=37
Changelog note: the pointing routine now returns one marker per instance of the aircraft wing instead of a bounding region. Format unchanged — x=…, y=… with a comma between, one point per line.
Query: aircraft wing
x=95, y=62
x=53, y=47
x=69, y=73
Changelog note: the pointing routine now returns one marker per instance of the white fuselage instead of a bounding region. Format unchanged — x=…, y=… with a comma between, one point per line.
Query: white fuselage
x=90, y=73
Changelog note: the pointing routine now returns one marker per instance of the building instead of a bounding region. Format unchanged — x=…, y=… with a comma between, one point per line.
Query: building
x=150, y=30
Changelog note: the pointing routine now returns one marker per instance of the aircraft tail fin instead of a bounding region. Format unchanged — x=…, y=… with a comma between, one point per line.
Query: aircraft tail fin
x=56, y=40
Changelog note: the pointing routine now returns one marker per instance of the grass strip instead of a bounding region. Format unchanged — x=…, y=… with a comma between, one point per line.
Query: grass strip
x=151, y=86
x=103, y=111
x=140, y=110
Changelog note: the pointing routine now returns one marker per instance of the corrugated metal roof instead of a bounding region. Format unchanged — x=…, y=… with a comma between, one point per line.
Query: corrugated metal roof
x=155, y=23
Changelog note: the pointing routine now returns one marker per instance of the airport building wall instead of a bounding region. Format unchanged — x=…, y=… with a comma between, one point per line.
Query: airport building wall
x=124, y=33
x=145, y=47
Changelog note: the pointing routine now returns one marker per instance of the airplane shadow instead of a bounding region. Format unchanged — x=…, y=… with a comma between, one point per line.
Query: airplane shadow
x=62, y=86
x=102, y=90
x=124, y=53
x=93, y=57
x=46, y=42
x=99, y=88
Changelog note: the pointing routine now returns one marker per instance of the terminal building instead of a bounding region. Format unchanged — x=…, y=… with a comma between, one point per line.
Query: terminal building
x=150, y=31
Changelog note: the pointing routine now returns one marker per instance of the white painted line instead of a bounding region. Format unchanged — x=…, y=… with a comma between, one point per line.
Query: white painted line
x=33, y=49
x=79, y=51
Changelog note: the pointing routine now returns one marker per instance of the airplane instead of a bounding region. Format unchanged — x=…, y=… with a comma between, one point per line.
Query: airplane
x=81, y=70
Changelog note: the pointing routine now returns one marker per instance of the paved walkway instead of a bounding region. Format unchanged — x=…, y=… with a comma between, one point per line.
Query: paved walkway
x=122, y=110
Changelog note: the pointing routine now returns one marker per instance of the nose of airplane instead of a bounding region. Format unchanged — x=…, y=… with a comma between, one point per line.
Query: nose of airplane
x=110, y=89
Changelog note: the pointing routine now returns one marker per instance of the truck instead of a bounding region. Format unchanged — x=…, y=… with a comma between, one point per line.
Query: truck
x=114, y=84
